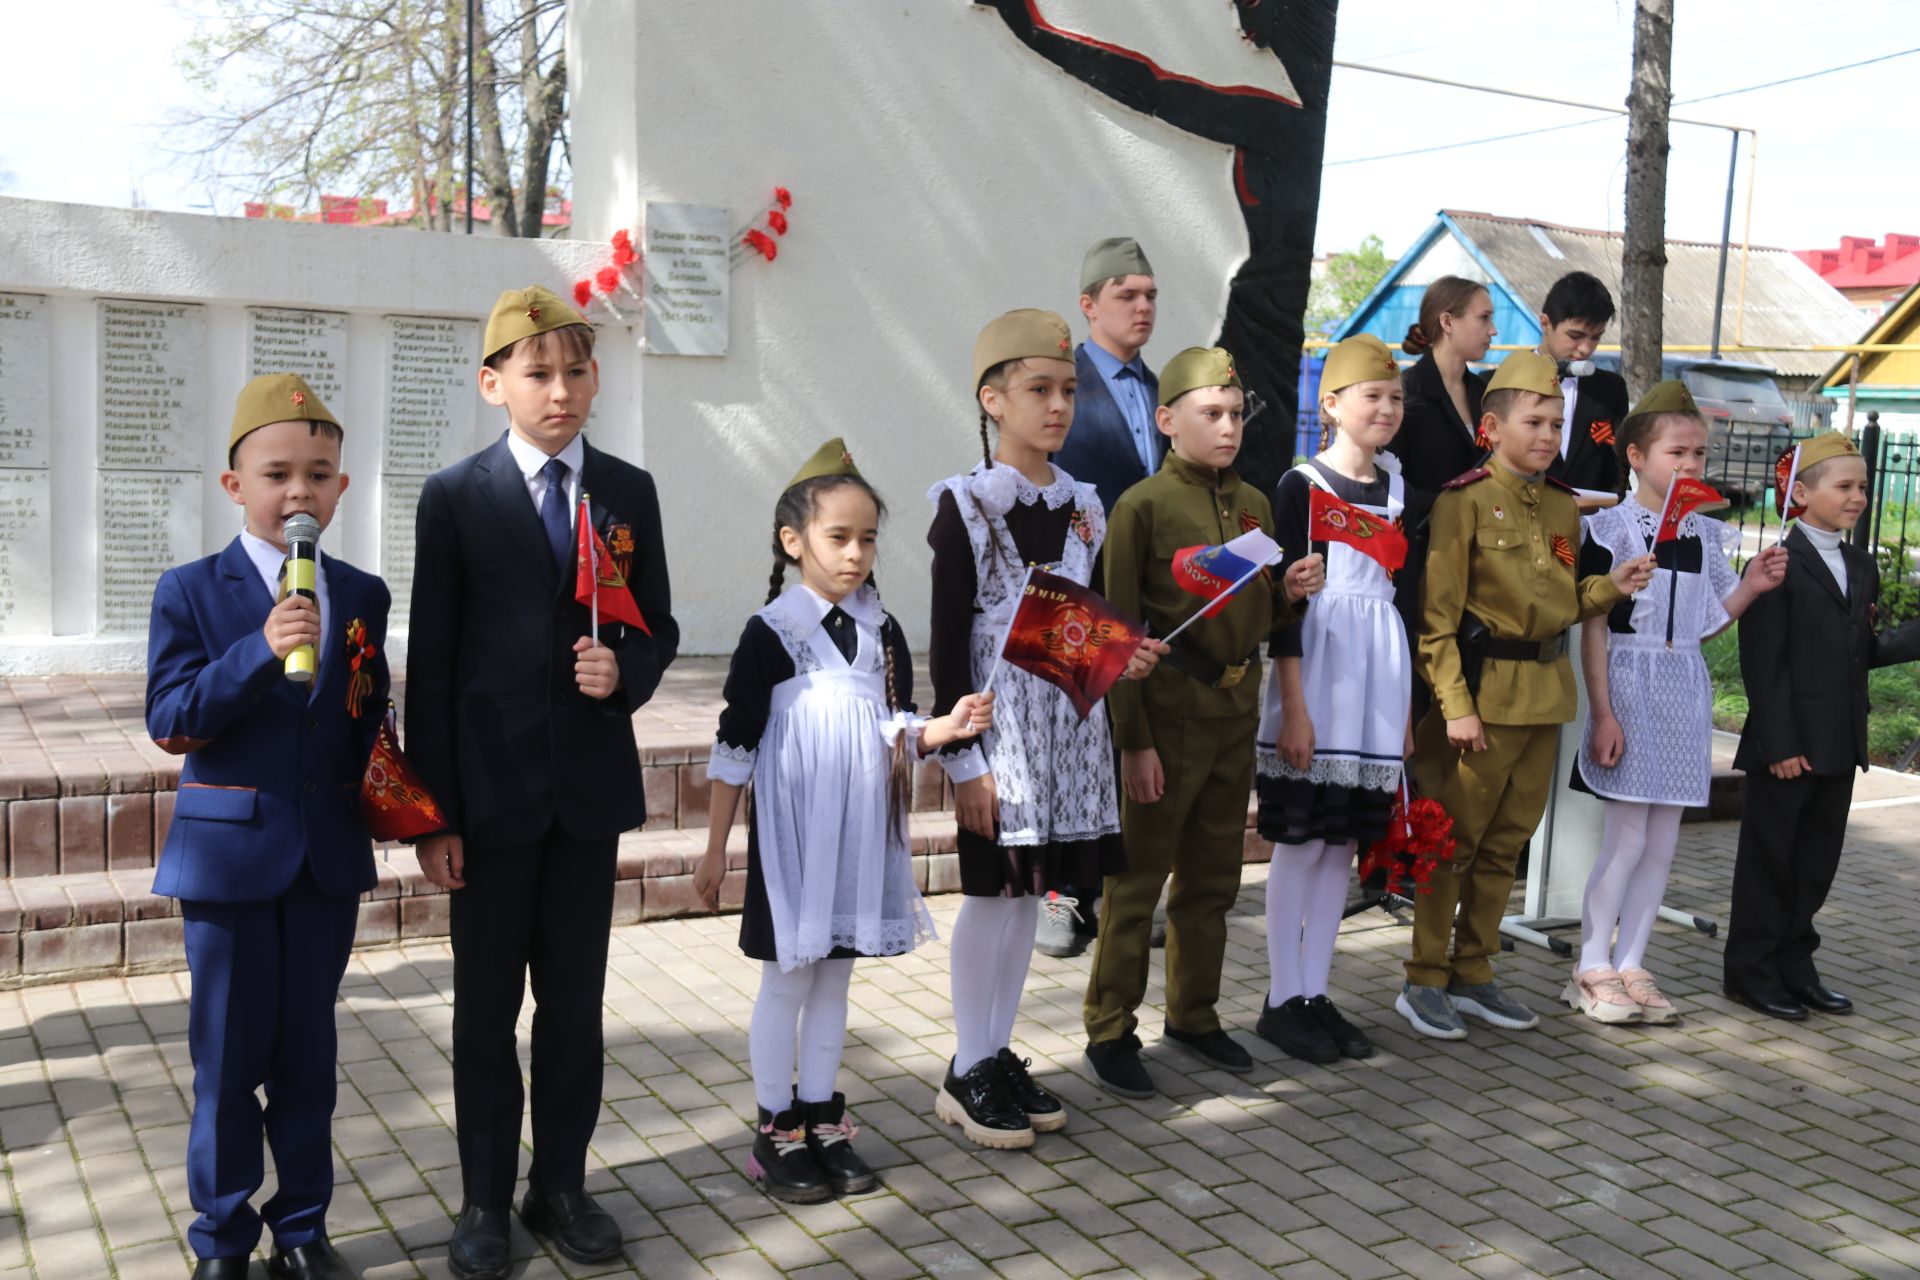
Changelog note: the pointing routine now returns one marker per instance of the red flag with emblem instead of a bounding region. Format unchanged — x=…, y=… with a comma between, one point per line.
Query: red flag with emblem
x=597, y=578
x=1685, y=496
x=1332, y=518
x=1072, y=638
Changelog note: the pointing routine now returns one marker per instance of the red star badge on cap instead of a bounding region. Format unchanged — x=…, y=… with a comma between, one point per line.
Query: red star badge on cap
x=533, y=313
x=846, y=459
x=1065, y=345
x=298, y=397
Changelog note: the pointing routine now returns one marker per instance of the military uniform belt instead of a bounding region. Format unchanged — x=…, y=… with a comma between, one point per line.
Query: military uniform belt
x=1548, y=650
x=1192, y=663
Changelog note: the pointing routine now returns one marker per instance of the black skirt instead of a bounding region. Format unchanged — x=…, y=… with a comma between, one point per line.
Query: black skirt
x=1294, y=811
x=989, y=869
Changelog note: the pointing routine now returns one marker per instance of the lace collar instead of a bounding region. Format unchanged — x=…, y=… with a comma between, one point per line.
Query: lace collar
x=805, y=610
x=1000, y=487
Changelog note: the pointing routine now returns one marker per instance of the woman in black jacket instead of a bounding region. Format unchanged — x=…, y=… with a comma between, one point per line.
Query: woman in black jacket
x=1438, y=438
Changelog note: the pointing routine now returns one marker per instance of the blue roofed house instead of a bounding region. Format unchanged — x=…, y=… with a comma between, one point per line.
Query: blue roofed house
x=1518, y=259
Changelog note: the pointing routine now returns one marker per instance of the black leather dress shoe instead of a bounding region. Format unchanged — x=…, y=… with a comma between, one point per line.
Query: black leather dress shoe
x=1818, y=997
x=577, y=1226
x=480, y=1249
x=315, y=1260
x=1775, y=1004
x=220, y=1269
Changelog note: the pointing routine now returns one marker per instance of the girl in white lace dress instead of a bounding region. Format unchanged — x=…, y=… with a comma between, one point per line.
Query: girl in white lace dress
x=1036, y=797
x=819, y=716
x=1334, y=728
x=1648, y=747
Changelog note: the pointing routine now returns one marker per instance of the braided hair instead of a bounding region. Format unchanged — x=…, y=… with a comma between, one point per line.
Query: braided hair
x=795, y=511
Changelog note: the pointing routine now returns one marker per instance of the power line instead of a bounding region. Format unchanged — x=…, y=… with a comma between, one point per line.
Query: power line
x=1611, y=113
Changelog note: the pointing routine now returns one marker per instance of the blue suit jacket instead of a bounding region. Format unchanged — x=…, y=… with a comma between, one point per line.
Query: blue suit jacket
x=271, y=778
x=1099, y=450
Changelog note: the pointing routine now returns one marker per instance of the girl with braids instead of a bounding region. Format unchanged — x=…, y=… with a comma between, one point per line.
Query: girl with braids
x=1647, y=751
x=1036, y=798
x=818, y=716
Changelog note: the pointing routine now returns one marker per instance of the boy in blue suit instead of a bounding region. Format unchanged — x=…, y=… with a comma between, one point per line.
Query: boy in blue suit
x=267, y=852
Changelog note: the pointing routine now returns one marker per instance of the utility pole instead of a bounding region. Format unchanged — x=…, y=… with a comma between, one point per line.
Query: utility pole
x=1644, y=263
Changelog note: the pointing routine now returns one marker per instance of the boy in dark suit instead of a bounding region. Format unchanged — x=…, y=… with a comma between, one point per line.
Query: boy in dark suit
x=1805, y=650
x=521, y=727
x=267, y=852
x=1113, y=446
x=1573, y=320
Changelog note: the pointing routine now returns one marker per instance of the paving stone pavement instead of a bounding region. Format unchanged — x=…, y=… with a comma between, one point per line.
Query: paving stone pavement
x=1728, y=1145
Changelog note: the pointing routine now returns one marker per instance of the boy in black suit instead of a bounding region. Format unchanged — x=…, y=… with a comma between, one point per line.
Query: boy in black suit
x=1805, y=650
x=1573, y=320
x=520, y=725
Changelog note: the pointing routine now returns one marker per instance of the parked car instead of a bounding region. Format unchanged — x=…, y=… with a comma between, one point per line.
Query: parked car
x=1749, y=423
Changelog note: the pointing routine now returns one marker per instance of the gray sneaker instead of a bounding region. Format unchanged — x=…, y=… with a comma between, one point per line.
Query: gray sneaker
x=1487, y=1002
x=1430, y=1012
x=1056, y=935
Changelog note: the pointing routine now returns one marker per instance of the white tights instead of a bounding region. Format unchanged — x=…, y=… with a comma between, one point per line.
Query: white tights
x=992, y=946
x=807, y=1005
x=1628, y=880
x=1306, y=893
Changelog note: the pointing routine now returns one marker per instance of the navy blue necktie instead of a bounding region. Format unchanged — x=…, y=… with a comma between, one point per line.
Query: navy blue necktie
x=553, y=513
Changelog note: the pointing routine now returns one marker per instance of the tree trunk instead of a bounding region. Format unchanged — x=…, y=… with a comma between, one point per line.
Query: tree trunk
x=546, y=103
x=495, y=173
x=1644, y=261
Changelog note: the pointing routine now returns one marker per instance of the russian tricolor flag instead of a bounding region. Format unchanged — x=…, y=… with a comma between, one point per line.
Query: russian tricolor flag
x=1218, y=571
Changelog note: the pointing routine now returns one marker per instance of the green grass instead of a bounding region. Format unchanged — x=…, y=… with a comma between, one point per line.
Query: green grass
x=1893, y=695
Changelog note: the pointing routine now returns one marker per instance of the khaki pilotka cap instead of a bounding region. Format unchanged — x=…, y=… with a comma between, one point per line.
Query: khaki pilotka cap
x=1670, y=396
x=830, y=459
x=1825, y=447
x=276, y=397
x=1110, y=259
x=1194, y=368
x=1026, y=334
x=1361, y=358
x=1526, y=371
x=522, y=313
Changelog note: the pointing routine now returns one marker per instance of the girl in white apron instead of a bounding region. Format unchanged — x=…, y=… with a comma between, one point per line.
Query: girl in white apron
x=1648, y=748
x=1333, y=730
x=819, y=716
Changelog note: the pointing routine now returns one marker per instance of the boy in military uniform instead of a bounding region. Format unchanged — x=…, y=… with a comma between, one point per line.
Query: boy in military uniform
x=1501, y=590
x=1186, y=732
x=267, y=852
x=1805, y=650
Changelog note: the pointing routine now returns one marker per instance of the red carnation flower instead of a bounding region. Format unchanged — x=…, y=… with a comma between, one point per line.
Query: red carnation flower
x=583, y=292
x=783, y=197
x=762, y=243
x=778, y=221
x=608, y=278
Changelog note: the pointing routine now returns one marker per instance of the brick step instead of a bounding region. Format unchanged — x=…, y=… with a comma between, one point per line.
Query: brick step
x=62, y=928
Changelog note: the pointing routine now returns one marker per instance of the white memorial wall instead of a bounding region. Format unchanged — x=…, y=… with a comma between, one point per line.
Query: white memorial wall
x=118, y=374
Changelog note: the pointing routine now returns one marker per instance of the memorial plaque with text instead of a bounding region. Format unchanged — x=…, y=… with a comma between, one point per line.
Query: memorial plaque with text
x=312, y=344
x=431, y=397
x=399, y=499
x=26, y=554
x=687, y=278
x=152, y=385
x=24, y=373
x=148, y=522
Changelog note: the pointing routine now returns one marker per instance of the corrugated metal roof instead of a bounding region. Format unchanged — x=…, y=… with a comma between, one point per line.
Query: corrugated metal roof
x=1786, y=301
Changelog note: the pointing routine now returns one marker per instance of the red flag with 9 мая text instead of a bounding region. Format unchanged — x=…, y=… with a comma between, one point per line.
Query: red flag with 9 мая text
x=1072, y=638
x=1334, y=519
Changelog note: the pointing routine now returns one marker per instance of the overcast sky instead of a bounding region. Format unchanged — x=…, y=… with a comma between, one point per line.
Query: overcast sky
x=79, y=120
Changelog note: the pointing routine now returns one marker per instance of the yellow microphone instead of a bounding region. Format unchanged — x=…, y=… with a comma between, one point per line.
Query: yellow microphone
x=302, y=536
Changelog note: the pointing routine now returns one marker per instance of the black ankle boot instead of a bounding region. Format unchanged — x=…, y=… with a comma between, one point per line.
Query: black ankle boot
x=782, y=1164
x=830, y=1139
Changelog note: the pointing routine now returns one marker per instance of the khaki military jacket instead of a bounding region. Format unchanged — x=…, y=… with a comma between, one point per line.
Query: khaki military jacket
x=1184, y=505
x=1505, y=548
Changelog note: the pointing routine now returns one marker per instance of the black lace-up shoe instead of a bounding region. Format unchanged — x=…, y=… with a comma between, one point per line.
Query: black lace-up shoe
x=1351, y=1040
x=983, y=1105
x=830, y=1138
x=782, y=1164
x=1116, y=1065
x=1045, y=1112
x=1291, y=1028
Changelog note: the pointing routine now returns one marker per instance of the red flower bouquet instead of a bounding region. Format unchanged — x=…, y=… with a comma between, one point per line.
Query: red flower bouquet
x=1419, y=838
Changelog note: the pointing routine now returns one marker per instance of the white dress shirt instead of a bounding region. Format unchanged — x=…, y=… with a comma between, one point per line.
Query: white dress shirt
x=531, y=460
x=1569, y=388
x=268, y=558
x=1827, y=543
